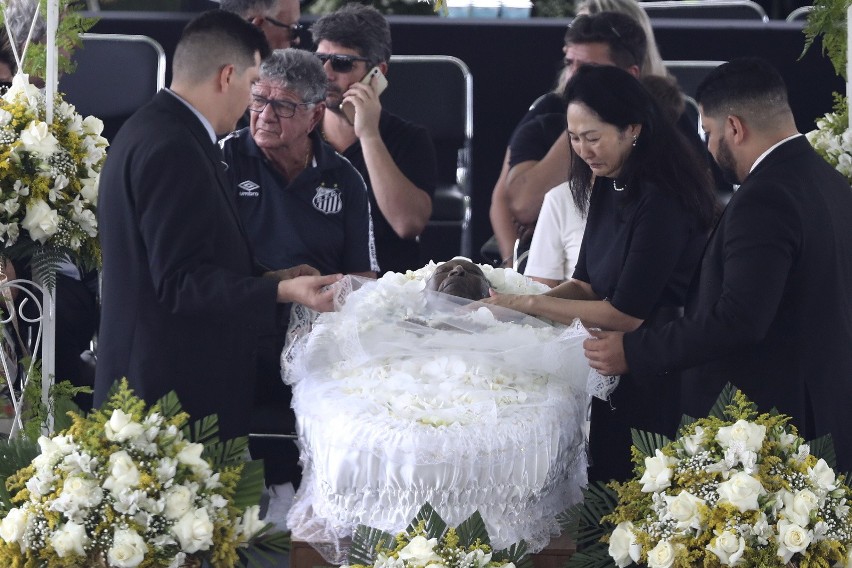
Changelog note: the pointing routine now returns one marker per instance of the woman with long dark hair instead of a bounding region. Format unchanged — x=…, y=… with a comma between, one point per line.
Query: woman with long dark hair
x=650, y=207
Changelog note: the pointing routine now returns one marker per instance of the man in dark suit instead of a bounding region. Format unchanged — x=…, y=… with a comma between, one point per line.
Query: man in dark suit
x=183, y=303
x=771, y=308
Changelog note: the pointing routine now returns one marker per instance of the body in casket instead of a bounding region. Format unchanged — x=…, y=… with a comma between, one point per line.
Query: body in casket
x=405, y=396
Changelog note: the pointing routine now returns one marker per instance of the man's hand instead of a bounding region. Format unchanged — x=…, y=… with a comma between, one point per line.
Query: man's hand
x=605, y=352
x=310, y=291
x=368, y=109
x=290, y=273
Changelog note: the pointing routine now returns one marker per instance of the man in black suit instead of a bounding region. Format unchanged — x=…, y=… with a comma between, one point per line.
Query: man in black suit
x=183, y=303
x=771, y=308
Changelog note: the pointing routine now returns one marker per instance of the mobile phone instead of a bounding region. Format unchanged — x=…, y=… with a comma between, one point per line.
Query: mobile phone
x=379, y=87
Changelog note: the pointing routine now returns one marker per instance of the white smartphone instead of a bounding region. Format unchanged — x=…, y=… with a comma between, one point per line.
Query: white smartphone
x=379, y=87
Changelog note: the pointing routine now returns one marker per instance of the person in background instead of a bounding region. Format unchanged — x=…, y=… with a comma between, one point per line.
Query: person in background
x=183, y=301
x=650, y=208
x=278, y=19
x=301, y=203
x=770, y=309
x=395, y=157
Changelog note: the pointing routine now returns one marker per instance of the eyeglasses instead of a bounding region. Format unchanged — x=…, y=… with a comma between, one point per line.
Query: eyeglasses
x=282, y=109
x=340, y=63
x=293, y=28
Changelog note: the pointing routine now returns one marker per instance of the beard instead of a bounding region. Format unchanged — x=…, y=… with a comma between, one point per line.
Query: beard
x=333, y=99
x=727, y=163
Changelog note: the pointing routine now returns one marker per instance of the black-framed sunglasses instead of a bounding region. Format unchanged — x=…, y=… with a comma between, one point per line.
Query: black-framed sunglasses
x=294, y=29
x=340, y=63
x=282, y=109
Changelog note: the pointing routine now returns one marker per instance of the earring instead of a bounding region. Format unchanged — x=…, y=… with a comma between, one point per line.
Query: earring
x=635, y=139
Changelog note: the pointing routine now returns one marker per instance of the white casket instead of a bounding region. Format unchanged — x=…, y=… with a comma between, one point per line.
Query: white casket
x=405, y=396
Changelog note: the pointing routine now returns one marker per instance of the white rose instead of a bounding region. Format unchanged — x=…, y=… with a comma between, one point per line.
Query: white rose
x=194, y=531
x=128, y=549
x=658, y=472
x=623, y=547
x=662, y=555
x=78, y=494
x=799, y=506
x=13, y=526
x=694, y=443
x=69, y=540
x=728, y=547
x=122, y=472
x=121, y=427
x=93, y=125
x=791, y=539
x=420, y=551
x=685, y=509
x=741, y=491
x=179, y=501
x=747, y=435
x=21, y=85
x=41, y=221
x=249, y=524
x=190, y=456
x=36, y=138
x=89, y=189
x=822, y=476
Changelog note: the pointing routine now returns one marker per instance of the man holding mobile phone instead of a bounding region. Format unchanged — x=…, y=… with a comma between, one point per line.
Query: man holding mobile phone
x=396, y=157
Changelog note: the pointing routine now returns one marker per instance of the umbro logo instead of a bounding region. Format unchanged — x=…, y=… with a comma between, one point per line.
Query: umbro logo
x=248, y=188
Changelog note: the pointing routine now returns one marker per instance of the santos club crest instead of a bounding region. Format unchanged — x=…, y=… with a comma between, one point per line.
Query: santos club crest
x=328, y=200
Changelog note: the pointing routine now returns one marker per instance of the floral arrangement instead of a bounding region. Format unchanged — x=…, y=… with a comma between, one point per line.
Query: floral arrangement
x=832, y=138
x=736, y=489
x=127, y=487
x=48, y=181
x=428, y=543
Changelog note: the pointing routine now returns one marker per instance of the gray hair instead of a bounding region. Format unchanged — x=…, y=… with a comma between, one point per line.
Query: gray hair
x=297, y=70
x=19, y=18
x=247, y=8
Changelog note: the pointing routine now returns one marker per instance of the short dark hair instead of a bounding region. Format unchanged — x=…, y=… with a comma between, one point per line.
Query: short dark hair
x=747, y=87
x=242, y=8
x=214, y=39
x=358, y=27
x=661, y=154
x=621, y=33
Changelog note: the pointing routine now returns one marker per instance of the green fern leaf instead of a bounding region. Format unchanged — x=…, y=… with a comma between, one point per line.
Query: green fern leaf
x=471, y=530
x=647, y=442
x=170, y=405
x=365, y=542
x=433, y=524
x=15, y=454
x=583, y=521
x=823, y=447
x=250, y=487
x=593, y=557
x=259, y=554
x=516, y=554
x=203, y=431
x=726, y=398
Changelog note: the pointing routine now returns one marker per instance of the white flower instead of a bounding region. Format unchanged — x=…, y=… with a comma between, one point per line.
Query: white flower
x=21, y=86
x=89, y=189
x=249, y=524
x=179, y=501
x=194, y=531
x=799, y=506
x=128, y=549
x=13, y=526
x=77, y=496
x=93, y=125
x=792, y=539
x=741, y=491
x=747, y=435
x=121, y=427
x=123, y=473
x=41, y=221
x=36, y=138
x=693, y=444
x=190, y=455
x=5, y=117
x=822, y=476
x=728, y=547
x=419, y=552
x=475, y=558
x=69, y=540
x=685, y=510
x=178, y=560
x=786, y=440
x=658, y=472
x=166, y=469
x=623, y=547
x=662, y=555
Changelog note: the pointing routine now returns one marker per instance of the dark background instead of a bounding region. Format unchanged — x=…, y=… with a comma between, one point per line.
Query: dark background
x=514, y=61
